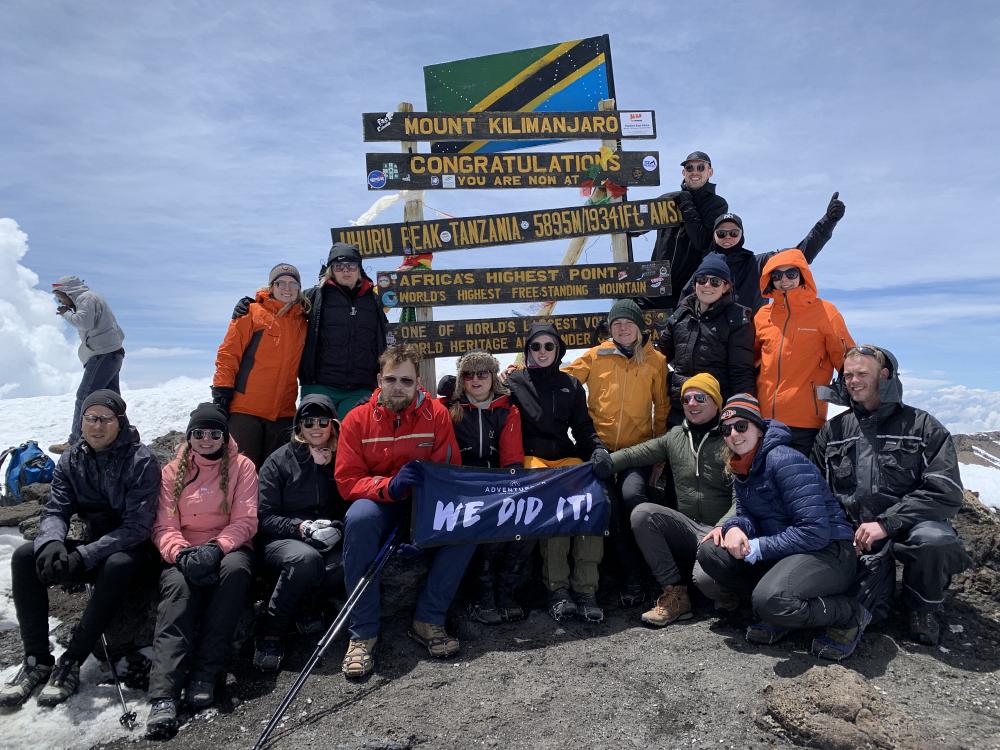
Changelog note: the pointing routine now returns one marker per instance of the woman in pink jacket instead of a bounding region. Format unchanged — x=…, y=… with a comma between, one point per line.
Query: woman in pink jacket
x=206, y=517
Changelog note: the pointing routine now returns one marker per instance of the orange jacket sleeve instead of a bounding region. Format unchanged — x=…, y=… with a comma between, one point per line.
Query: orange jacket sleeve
x=227, y=359
x=579, y=368
x=838, y=338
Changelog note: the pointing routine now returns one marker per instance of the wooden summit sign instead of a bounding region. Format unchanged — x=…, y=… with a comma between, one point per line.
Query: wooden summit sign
x=509, y=170
x=419, y=288
x=453, y=338
x=507, y=126
x=436, y=235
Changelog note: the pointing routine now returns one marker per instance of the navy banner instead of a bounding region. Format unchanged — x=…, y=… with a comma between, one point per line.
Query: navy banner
x=461, y=505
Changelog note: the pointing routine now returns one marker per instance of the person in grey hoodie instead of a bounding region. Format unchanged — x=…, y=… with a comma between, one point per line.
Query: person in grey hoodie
x=100, y=344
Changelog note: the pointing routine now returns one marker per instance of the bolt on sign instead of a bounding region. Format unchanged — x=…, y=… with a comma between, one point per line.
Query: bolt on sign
x=453, y=338
x=437, y=235
x=420, y=288
x=493, y=126
x=523, y=170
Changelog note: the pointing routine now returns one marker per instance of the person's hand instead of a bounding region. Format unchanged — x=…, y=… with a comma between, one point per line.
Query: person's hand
x=321, y=456
x=62, y=309
x=200, y=564
x=74, y=567
x=684, y=196
x=654, y=474
x=406, y=477
x=222, y=396
x=714, y=536
x=836, y=208
x=602, y=464
x=869, y=533
x=322, y=534
x=50, y=562
x=242, y=307
x=736, y=543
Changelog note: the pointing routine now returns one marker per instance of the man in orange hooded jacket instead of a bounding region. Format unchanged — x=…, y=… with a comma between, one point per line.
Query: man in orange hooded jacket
x=800, y=341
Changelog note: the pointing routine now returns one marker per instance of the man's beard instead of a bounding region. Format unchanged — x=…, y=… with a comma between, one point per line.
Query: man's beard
x=394, y=403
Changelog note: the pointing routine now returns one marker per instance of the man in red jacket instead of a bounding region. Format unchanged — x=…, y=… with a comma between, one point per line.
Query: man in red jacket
x=379, y=440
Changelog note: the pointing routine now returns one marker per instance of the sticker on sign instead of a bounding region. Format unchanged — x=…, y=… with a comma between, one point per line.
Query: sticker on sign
x=637, y=124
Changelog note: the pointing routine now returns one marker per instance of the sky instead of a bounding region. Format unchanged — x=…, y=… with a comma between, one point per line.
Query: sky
x=171, y=153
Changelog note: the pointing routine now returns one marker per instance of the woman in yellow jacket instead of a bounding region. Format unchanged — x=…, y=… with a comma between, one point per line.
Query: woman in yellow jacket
x=257, y=365
x=626, y=381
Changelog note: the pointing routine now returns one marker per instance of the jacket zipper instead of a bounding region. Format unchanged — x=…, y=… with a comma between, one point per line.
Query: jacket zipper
x=480, y=412
x=781, y=347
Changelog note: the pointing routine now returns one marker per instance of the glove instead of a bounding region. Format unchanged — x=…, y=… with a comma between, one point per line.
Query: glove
x=200, y=565
x=50, y=562
x=62, y=309
x=322, y=534
x=835, y=209
x=406, y=477
x=222, y=396
x=73, y=568
x=683, y=197
x=603, y=466
x=242, y=307
x=754, y=555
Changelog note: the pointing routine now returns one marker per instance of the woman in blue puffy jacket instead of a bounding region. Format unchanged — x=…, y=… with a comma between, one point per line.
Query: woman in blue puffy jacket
x=789, y=546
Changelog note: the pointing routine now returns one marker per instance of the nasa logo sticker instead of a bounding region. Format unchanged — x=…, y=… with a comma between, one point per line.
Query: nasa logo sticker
x=376, y=179
x=649, y=163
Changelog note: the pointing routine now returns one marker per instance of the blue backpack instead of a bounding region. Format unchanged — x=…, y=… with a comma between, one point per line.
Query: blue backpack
x=28, y=464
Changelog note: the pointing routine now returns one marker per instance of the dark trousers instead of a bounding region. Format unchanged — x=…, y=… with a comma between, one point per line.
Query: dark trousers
x=258, y=438
x=99, y=372
x=803, y=439
x=366, y=527
x=629, y=492
x=668, y=541
x=500, y=568
x=931, y=553
x=805, y=590
x=184, y=609
x=302, y=569
x=110, y=577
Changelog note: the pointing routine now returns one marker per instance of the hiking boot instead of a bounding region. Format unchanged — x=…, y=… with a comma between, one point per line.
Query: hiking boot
x=673, y=604
x=839, y=643
x=434, y=638
x=268, y=653
x=484, y=610
x=162, y=721
x=58, y=448
x=924, y=628
x=631, y=594
x=309, y=623
x=765, y=634
x=201, y=694
x=63, y=682
x=359, y=661
x=727, y=602
x=561, y=605
x=20, y=687
x=509, y=608
x=587, y=607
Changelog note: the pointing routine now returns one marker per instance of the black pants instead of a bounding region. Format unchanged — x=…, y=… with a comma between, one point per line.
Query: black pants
x=184, y=608
x=258, y=438
x=111, y=578
x=803, y=439
x=629, y=492
x=302, y=569
x=806, y=590
x=501, y=567
x=668, y=541
x=931, y=553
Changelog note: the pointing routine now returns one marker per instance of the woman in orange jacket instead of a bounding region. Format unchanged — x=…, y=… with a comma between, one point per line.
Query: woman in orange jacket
x=800, y=341
x=257, y=365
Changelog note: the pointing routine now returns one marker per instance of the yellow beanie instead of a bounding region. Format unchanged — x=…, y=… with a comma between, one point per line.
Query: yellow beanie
x=707, y=383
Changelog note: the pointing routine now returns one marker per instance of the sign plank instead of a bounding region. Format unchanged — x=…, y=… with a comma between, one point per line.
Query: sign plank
x=418, y=287
x=437, y=235
x=507, y=126
x=453, y=338
x=508, y=170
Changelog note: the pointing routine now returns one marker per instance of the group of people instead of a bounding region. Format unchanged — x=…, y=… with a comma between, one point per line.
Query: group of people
x=303, y=464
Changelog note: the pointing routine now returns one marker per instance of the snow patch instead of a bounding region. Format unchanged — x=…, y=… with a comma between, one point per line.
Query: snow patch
x=982, y=479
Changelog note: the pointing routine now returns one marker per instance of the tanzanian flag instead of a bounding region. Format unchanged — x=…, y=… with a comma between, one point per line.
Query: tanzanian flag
x=566, y=77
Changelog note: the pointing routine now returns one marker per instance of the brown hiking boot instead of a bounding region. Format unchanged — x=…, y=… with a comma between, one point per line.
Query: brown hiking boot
x=672, y=604
x=434, y=638
x=59, y=448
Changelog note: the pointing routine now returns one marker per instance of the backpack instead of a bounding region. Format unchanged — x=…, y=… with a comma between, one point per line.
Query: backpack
x=28, y=464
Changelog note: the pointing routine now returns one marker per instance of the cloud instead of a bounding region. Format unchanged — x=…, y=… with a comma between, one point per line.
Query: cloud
x=157, y=352
x=961, y=409
x=38, y=358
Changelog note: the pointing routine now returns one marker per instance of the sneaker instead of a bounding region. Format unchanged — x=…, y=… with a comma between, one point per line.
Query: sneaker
x=631, y=595
x=200, y=694
x=673, y=604
x=587, y=607
x=924, y=628
x=435, y=639
x=839, y=643
x=162, y=721
x=765, y=634
x=20, y=687
x=268, y=653
x=58, y=448
x=63, y=682
x=561, y=605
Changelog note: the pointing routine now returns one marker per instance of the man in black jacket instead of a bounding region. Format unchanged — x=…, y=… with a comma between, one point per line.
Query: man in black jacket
x=112, y=482
x=684, y=245
x=895, y=470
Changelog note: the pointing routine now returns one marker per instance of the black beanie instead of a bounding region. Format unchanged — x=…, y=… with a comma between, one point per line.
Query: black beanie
x=209, y=416
x=105, y=397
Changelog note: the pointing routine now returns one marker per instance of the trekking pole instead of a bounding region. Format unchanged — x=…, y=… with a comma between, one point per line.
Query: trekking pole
x=127, y=719
x=327, y=639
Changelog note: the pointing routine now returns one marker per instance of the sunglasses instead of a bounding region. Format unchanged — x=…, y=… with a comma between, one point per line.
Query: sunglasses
x=310, y=422
x=478, y=375
x=694, y=398
x=537, y=347
x=95, y=418
x=287, y=284
x=727, y=429
x=713, y=281
x=695, y=167
x=788, y=273
x=392, y=380
x=723, y=233
x=203, y=434
x=345, y=266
